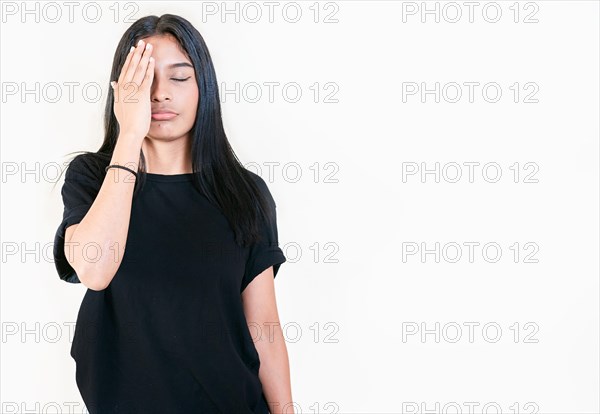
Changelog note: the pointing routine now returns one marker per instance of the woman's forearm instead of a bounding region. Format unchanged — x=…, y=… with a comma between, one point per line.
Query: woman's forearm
x=104, y=228
x=274, y=370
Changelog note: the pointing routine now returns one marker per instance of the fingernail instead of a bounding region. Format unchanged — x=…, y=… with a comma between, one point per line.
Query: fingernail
x=132, y=49
x=140, y=42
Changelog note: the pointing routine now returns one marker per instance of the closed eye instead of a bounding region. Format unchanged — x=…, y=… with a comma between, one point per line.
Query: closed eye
x=181, y=80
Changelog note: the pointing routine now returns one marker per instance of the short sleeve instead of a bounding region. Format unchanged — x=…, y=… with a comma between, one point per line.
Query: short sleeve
x=81, y=186
x=266, y=253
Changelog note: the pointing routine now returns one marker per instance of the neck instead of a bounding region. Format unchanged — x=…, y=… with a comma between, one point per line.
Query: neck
x=168, y=157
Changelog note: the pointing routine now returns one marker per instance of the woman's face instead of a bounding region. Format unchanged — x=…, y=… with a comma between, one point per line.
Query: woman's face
x=174, y=92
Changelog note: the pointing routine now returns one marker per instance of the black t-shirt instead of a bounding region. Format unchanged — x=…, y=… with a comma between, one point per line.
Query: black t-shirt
x=168, y=335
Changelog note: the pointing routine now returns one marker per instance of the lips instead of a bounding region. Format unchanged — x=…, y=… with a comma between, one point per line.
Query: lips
x=163, y=115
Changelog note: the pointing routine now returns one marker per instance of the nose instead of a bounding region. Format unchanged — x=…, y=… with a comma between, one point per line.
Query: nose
x=159, y=91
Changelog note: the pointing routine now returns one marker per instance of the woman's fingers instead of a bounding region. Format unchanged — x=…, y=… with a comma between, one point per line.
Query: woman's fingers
x=133, y=62
x=135, y=80
x=125, y=65
x=140, y=72
x=149, y=77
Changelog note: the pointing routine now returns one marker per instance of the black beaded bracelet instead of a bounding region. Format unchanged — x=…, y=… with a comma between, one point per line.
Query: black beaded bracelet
x=120, y=166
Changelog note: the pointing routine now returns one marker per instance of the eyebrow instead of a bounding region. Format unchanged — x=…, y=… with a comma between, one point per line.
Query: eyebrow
x=180, y=64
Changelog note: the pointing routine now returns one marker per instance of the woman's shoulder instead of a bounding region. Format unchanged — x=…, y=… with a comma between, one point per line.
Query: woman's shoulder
x=90, y=165
x=262, y=186
x=258, y=180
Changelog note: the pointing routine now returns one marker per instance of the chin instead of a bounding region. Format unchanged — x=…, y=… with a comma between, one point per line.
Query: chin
x=162, y=135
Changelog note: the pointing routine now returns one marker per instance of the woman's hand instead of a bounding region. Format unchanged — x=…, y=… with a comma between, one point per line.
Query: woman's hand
x=132, y=92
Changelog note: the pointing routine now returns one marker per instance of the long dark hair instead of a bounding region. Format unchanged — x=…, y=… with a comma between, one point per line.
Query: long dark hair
x=218, y=173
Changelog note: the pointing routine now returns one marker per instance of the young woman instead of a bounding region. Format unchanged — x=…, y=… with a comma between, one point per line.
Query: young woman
x=176, y=242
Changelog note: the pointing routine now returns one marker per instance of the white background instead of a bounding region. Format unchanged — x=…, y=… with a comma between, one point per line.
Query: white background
x=350, y=304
